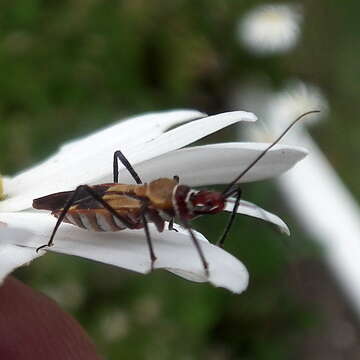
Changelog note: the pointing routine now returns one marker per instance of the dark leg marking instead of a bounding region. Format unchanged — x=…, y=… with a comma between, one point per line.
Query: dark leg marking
x=118, y=155
x=148, y=236
x=71, y=201
x=171, y=225
x=195, y=241
x=198, y=247
x=143, y=211
x=171, y=222
x=221, y=241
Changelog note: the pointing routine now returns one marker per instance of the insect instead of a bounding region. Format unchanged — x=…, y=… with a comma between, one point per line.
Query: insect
x=115, y=207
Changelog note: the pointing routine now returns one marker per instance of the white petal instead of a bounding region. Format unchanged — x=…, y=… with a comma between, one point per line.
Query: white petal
x=13, y=256
x=187, y=134
x=250, y=209
x=135, y=130
x=217, y=163
x=128, y=249
x=83, y=161
x=328, y=212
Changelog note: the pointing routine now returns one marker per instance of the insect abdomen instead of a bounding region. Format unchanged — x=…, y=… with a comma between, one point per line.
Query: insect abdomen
x=94, y=220
x=125, y=199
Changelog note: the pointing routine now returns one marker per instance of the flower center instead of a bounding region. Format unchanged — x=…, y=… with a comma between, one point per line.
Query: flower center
x=272, y=17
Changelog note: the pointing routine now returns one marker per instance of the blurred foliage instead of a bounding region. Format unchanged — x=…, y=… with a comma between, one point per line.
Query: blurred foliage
x=71, y=67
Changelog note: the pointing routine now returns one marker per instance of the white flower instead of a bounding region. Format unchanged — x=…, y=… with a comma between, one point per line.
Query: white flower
x=295, y=99
x=314, y=191
x=324, y=206
x=153, y=151
x=328, y=212
x=281, y=107
x=114, y=324
x=69, y=294
x=270, y=29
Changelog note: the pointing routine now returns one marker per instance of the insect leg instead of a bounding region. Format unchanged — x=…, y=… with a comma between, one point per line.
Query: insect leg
x=171, y=222
x=171, y=225
x=198, y=247
x=71, y=200
x=118, y=155
x=148, y=236
x=143, y=211
x=221, y=241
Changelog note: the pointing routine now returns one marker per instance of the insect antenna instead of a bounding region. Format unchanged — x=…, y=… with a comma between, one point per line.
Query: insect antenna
x=224, y=235
x=232, y=188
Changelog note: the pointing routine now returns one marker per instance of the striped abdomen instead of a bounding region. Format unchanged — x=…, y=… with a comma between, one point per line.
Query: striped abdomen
x=163, y=199
x=98, y=220
x=103, y=220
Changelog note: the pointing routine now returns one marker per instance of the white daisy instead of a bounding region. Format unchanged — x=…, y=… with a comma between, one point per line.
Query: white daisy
x=296, y=98
x=279, y=108
x=153, y=151
x=270, y=29
x=328, y=212
x=314, y=191
x=326, y=209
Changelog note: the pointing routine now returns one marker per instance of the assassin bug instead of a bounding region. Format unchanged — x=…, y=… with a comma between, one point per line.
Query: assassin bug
x=114, y=206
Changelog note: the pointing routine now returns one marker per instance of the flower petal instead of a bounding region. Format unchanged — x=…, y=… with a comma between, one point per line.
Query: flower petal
x=13, y=256
x=83, y=161
x=128, y=249
x=93, y=162
x=217, y=163
x=187, y=134
x=329, y=212
x=250, y=209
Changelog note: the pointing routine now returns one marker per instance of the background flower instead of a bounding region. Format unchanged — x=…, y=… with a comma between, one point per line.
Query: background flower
x=270, y=28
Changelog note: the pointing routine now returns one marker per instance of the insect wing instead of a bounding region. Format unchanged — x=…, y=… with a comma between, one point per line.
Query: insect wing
x=57, y=201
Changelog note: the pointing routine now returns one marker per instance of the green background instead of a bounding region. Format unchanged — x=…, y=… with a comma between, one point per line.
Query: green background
x=71, y=67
